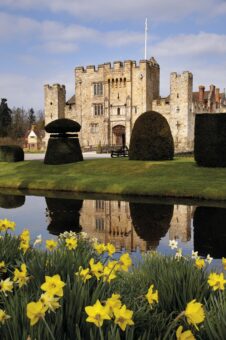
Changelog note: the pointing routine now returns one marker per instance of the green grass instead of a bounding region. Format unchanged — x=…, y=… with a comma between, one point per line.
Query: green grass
x=178, y=178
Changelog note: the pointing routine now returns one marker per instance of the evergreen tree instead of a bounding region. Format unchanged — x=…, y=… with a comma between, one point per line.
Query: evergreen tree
x=5, y=118
x=31, y=117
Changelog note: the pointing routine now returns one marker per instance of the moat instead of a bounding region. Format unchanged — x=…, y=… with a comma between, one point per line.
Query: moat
x=137, y=226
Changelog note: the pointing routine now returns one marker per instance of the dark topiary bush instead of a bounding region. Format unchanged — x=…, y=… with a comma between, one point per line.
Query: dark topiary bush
x=11, y=153
x=62, y=125
x=151, y=138
x=63, y=150
x=11, y=201
x=210, y=140
x=151, y=221
x=210, y=231
x=64, y=215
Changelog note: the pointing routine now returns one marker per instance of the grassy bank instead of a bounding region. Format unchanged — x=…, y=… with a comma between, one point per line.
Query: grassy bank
x=178, y=178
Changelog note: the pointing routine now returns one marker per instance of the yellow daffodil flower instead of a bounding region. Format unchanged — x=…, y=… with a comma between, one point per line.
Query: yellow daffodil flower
x=20, y=277
x=113, y=303
x=224, y=263
x=52, y=303
x=151, y=295
x=24, y=246
x=187, y=335
x=108, y=274
x=2, y=267
x=25, y=235
x=123, y=317
x=71, y=243
x=7, y=225
x=99, y=247
x=3, y=316
x=125, y=262
x=199, y=263
x=53, y=285
x=110, y=248
x=96, y=268
x=194, y=313
x=84, y=274
x=51, y=244
x=97, y=314
x=6, y=286
x=35, y=311
x=216, y=281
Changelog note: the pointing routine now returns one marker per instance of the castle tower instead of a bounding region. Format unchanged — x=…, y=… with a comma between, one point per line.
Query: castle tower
x=54, y=102
x=181, y=115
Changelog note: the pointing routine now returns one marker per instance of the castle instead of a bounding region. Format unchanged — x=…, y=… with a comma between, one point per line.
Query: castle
x=108, y=100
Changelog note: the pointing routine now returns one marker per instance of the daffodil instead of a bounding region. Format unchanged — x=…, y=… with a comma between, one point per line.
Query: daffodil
x=216, y=281
x=125, y=262
x=20, y=276
x=96, y=268
x=123, y=317
x=2, y=267
x=99, y=247
x=178, y=254
x=84, y=274
x=71, y=243
x=224, y=263
x=35, y=312
x=209, y=259
x=194, y=313
x=3, y=316
x=97, y=314
x=38, y=240
x=173, y=244
x=7, y=225
x=6, y=286
x=108, y=274
x=113, y=303
x=52, y=303
x=25, y=235
x=110, y=248
x=194, y=255
x=152, y=296
x=24, y=246
x=199, y=263
x=53, y=285
x=51, y=244
x=186, y=335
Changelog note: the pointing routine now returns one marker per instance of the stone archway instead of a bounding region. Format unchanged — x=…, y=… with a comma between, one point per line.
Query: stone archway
x=119, y=135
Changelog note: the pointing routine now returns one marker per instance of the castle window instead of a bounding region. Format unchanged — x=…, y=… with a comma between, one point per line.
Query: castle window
x=116, y=82
x=94, y=128
x=99, y=224
x=99, y=205
x=98, y=109
x=135, y=109
x=118, y=111
x=178, y=95
x=124, y=81
x=98, y=89
x=112, y=84
x=51, y=103
x=177, y=109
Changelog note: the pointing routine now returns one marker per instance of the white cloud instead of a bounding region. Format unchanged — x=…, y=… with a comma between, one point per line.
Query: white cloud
x=191, y=45
x=124, y=9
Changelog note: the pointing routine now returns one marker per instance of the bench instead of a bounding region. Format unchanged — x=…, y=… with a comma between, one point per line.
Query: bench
x=122, y=152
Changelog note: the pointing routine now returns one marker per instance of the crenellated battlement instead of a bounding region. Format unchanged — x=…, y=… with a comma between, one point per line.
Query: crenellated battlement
x=117, y=65
x=54, y=87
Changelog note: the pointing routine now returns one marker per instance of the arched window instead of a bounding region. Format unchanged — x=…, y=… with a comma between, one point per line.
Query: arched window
x=118, y=111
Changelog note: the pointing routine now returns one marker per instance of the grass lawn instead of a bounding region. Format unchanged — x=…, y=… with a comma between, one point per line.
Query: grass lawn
x=178, y=178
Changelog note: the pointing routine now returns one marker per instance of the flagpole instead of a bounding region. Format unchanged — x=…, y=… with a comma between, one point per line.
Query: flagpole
x=145, y=38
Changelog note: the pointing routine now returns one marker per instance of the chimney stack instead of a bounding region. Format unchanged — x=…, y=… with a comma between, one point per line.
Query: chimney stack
x=201, y=93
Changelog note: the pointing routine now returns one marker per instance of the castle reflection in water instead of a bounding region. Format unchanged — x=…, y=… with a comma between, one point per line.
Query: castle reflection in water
x=135, y=225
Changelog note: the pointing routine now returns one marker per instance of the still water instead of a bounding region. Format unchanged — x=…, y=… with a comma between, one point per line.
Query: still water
x=131, y=224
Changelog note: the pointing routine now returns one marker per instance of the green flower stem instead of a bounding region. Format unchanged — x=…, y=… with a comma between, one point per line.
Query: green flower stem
x=101, y=334
x=49, y=330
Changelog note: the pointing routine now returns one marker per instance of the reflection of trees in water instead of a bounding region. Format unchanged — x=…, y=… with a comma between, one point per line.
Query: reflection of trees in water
x=151, y=221
x=63, y=215
x=210, y=231
x=11, y=201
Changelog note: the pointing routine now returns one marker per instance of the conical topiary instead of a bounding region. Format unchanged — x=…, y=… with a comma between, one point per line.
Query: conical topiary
x=151, y=138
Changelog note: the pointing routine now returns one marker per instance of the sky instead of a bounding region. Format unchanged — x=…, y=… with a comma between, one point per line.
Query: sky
x=42, y=41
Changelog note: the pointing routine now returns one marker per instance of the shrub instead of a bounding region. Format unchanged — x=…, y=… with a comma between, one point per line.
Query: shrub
x=11, y=153
x=11, y=201
x=210, y=140
x=62, y=125
x=151, y=138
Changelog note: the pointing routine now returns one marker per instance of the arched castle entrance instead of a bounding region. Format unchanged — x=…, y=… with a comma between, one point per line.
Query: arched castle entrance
x=118, y=135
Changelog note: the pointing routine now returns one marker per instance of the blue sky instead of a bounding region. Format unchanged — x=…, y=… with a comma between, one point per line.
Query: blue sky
x=42, y=41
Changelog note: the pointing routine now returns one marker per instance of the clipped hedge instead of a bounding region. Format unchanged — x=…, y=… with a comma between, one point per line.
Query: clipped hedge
x=11, y=201
x=62, y=125
x=11, y=153
x=210, y=140
x=151, y=138
x=63, y=150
